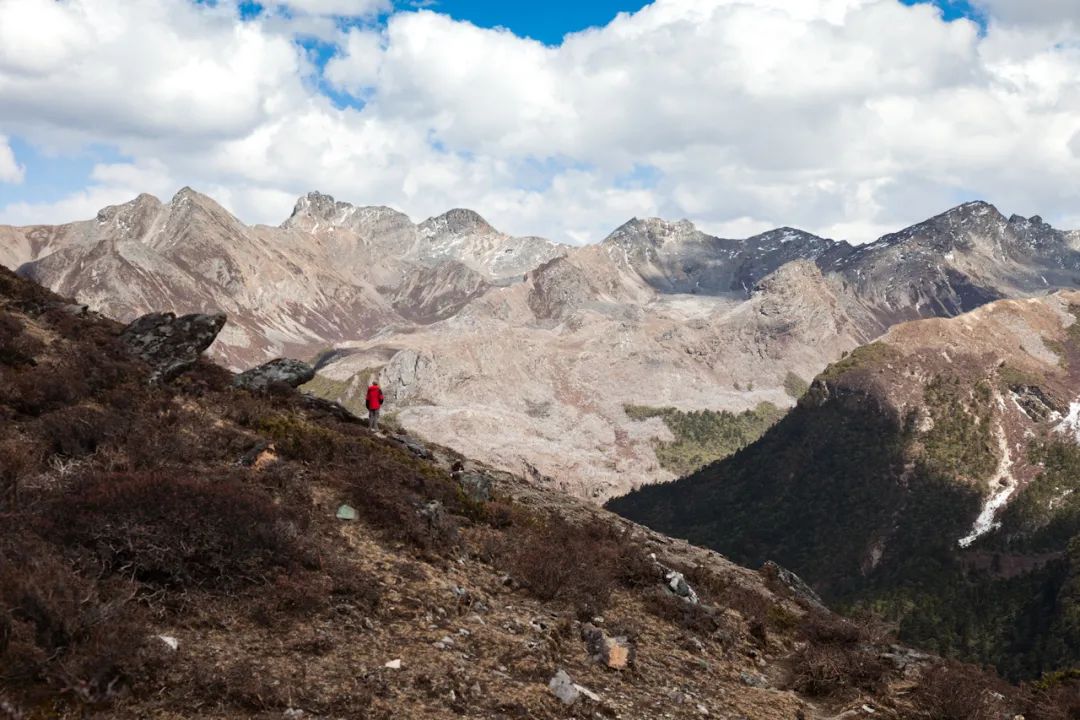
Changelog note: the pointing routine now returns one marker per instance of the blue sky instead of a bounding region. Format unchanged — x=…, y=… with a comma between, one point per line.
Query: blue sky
x=545, y=21
x=549, y=21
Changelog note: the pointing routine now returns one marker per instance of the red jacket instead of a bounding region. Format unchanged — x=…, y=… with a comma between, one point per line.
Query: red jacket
x=374, y=397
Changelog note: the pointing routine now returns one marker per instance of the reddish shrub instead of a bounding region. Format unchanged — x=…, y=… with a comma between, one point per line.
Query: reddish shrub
x=830, y=670
x=19, y=457
x=42, y=389
x=824, y=628
x=1055, y=698
x=556, y=559
x=841, y=655
x=954, y=691
x=61, y=629
x=698, y=618
x=170, y=530
x=80, y=431
x=16, y=347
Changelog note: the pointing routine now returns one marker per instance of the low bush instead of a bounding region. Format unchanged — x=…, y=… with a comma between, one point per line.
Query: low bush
x=79, y=431
x=557, y=560
x=953, y=691
x=38, y=390
x=66, y=629
x=696, y=617
x=833, y=670
x=169, y=530
x=1055, y=697
x=17, y=348
x=300, y=439
x=19, y=457
x=841, y=656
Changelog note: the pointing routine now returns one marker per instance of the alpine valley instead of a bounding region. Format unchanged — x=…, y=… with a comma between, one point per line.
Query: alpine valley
x=898, y=422
x=594, y=369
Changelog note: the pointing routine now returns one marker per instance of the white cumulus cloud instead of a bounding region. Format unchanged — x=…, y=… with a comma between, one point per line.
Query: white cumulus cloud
x=845, y=117
x=10, y=170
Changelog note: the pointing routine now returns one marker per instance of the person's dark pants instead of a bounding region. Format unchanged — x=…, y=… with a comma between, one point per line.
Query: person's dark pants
x=373, y=419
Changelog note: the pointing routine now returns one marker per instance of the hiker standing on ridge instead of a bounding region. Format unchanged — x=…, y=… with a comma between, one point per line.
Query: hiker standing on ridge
x=375, y=400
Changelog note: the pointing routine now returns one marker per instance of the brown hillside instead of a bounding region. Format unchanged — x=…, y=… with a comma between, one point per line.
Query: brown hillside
x=174, y=551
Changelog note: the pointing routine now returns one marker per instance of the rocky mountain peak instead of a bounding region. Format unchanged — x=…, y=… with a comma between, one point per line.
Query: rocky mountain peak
x=971, y=214
x=797, y=273
x=459, y=221
x=187, y=200
x=189, y=195
x=132, y=216
x=640, y=233
x=785, y=235
x=317, y=207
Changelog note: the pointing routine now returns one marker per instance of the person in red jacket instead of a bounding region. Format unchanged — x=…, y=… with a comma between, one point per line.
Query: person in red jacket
x=375, y=400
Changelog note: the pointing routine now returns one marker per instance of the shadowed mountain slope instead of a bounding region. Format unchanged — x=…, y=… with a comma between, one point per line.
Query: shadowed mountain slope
x=930, y=475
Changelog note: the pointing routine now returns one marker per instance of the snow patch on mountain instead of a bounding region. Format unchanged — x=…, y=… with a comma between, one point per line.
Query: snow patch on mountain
x=1002, y=486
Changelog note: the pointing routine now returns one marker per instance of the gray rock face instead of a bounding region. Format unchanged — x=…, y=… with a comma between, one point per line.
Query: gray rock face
x=676, y=582
x=293, y=373
x=955, y=262
x=754, y=680
x=792, y=583
x=676, y=257
x=477, y=487
x=436, y=293
x=170, y=344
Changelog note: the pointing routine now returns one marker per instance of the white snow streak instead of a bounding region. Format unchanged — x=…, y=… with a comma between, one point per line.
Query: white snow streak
x=1071, y=424
x=1005, y=482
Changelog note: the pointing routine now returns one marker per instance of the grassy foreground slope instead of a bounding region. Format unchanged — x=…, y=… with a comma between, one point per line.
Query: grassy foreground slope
x=175, y=551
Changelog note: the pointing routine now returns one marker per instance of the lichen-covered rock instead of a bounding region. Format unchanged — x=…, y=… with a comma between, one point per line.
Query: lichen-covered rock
x=477, y=486
x=171, y=344
x=293, y=373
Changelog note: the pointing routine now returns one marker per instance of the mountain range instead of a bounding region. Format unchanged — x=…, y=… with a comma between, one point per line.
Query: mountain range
x=525, y=353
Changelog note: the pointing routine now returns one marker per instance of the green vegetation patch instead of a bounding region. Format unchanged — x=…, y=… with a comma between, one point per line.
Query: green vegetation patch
x=1058, y=348
x=877, y=353
x=795, y=386
x=705, y=436
x=1074, y=330
x=961, y=443
x=326, y=388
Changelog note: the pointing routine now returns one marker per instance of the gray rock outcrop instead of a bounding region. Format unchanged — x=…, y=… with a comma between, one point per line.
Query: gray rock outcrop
x=171, y=344
x=792, y=583
x=293, y=373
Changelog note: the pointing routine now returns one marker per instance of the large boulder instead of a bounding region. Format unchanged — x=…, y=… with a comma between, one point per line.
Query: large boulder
x=171, y=344
x=283, y=370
